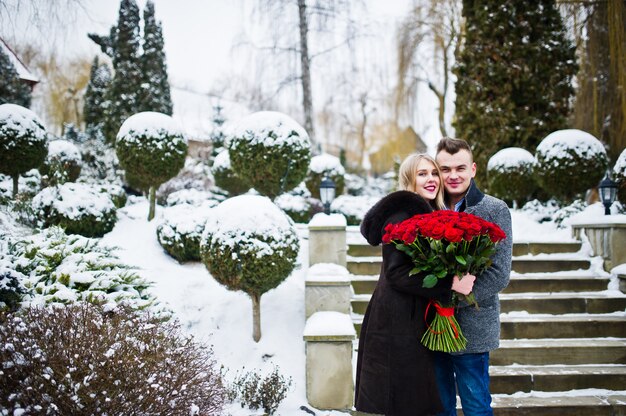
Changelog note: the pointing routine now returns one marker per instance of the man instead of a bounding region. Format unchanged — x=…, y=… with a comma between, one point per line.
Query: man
x=469, y=370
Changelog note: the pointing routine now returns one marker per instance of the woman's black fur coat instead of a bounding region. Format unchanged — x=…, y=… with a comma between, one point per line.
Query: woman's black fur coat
x=395, y=373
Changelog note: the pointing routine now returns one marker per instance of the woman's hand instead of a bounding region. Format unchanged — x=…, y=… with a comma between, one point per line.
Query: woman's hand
x=464, y=285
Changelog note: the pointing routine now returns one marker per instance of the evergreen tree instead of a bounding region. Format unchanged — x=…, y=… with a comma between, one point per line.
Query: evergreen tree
x=514, y=76
x=124, y=91
x=217, y=135
x=96, y=103
x=155, y=89
x=12, y=88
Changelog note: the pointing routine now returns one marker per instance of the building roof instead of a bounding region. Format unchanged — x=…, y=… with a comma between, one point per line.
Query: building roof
x=21, y=69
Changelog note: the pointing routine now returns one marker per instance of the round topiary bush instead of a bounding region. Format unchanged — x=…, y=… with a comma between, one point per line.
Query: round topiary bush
x=115, y=192
x=510, y=174
x=87, y=360
x=151, y=148
x=353, y=208
x=325, y=166
x=619, y=175
x=78, y=208
x=22, y=142
x=270, y=151
x=297, y=207
x=180, y=231
x=63, y=163
x=249, y=244
x=225, y=177
x=569, y=162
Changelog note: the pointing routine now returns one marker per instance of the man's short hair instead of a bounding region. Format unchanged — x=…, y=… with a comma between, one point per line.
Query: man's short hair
x=452, y=145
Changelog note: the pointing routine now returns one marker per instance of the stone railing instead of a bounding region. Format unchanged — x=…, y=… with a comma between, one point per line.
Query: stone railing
x=329, y=330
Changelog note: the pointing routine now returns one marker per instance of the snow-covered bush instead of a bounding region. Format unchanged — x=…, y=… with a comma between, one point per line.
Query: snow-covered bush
x=225, y=177
x=567, y=211
x=297, y=207
x=325, y=166
x=115, y=192
x=86, y=360
x=257, y=392
x=569, y=162
x=22, y=142
x=510, y=174
x=78, y=208
x=194, y=197
x=541, y=211
x=353, y=208
x=29, y=185
x=11, y=287
x=180, y=231
x=619, y=175
x=151, y=148
x=100, y=163
x=249, y=244
x=63, y=163
x=195, y=175
x=66, y=269
x=270, y=151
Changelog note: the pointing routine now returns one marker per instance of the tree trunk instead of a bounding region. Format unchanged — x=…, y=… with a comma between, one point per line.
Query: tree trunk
x=256, y=317
x=15, y=183
x=305, y=63
x=152, y=202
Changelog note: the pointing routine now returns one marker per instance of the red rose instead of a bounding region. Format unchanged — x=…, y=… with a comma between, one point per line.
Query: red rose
x=453, y=234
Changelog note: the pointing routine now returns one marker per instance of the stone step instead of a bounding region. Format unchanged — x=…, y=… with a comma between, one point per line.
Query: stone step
x=519, y=249
x=512, y=379
x=371, y=265
x=362, y=284
x=559, y=283
x=548, y=265
x=564, y=404
x=560, y=351
x=562, y=302
x=562, y=326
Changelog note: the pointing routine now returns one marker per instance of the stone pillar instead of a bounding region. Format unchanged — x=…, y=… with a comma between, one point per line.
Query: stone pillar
x=327, y=288
x=327, y=239
x=328, y=338
x=607, y=239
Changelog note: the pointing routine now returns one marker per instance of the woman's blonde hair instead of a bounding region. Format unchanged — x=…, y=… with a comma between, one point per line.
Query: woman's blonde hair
x=408, y=172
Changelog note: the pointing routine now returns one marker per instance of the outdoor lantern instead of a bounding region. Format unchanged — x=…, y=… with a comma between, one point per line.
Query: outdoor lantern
x=327, y=193
x=607, y=190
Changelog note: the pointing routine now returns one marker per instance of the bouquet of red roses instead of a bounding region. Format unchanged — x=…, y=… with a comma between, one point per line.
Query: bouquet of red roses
x=445, y=243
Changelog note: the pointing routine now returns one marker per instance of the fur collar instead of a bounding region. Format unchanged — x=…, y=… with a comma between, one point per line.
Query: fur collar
x=396, y=203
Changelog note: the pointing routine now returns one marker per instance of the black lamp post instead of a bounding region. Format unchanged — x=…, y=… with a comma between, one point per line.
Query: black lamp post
x=327, y=194
x=607, y=190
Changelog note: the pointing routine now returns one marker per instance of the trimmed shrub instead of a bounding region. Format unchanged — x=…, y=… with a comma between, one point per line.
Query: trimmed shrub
x=270, y=151
x=297, y=207
x=353, y=208
x=194, y=197
x=151, y=149
x=180, y=231
x=86, y=360
x=11, y=288
x=249, y=244
x=225, y=177
x=325, y=166
x=66, y=269
x=511, y=176
x=63, y=163
x=619, y=175
x=22, y=142
x=115, y=192
x=78, y=208
x=569, y=162
x=196, y=175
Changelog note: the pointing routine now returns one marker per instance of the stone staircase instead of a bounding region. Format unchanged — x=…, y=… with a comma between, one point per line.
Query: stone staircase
x=563, y=339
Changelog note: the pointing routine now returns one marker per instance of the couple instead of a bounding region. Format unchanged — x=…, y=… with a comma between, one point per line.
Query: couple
x=396, y=374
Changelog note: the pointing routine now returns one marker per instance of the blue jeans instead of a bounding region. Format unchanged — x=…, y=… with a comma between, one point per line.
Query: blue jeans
x=471, y=372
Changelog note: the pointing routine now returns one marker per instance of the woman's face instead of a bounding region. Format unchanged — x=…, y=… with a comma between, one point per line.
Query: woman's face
x=427, y=180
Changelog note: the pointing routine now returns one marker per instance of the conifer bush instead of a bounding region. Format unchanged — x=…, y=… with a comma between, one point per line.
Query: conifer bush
x=619, y=175
x=87, y=360
x=325, y=166
x=297, y=207
x=569, y=162
x=115, y=192
x=270, y=152
x=225, y=177
x=23, y=142
x=249, y=244
x=180, y=231
x=511, y=176
x=151, y=149
x=62, y=164
x=77, y=208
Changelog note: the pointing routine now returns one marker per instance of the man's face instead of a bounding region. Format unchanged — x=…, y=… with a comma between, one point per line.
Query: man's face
x=456, y=170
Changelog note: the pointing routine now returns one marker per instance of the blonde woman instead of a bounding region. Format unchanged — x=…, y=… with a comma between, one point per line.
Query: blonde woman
x=395, y=372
